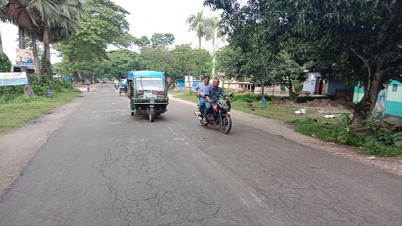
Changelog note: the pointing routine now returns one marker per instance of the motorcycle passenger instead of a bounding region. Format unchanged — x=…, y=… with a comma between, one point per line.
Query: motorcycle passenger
x=212, y=94
x=202, y=88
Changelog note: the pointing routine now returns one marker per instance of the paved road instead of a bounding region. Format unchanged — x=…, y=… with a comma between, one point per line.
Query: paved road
x=105, y=167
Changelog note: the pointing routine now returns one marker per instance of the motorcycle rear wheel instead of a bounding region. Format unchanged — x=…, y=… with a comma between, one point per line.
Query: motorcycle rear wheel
x=225, y=125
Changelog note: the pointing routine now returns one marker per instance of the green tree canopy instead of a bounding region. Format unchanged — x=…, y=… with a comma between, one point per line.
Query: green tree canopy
x=121, y=61
x=103, y=24
x=353, y=38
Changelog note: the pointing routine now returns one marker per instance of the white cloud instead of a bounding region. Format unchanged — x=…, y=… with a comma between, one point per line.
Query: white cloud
x=146, y=18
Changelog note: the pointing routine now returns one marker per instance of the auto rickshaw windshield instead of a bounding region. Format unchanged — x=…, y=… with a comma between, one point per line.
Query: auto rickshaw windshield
x=155, y=84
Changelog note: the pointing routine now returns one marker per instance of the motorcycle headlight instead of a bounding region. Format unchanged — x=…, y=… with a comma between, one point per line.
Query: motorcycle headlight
x=152, y=101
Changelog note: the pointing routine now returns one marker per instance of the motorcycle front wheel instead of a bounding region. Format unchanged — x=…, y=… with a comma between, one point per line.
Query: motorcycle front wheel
x=225, y=125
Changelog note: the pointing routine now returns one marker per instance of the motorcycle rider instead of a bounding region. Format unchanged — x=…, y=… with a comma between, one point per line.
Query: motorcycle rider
x=202, y=88
x=212, y=94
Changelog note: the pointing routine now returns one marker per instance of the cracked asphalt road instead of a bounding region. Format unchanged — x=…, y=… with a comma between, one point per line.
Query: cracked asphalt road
x=105, y=167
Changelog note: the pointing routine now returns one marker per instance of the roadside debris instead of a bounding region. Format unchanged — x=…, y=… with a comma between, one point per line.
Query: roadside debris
x=330, y=116
x=301, y=111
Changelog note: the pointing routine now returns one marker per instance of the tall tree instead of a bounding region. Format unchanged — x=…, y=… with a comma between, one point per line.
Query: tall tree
x=198, y=24
x=361, y=38
x=285, y=70
x=213, y=32
x=2, y=5
x=1, y=45
x=103, y=24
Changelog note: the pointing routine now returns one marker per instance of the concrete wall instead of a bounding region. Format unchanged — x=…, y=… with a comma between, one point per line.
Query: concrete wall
x=333, y=85
x=311, y=82
x=394, y=99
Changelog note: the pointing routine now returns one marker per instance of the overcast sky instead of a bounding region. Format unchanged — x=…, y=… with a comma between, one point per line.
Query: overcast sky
x=146, y=18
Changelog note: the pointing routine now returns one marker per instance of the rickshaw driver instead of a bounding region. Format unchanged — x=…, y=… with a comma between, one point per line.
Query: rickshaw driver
x=202, y=88
x=212, y=94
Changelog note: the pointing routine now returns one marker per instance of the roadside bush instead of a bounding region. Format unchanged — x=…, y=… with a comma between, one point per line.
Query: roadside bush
x=327, y=132
x=252, y=97
x=5, y=64
x=378, y=143
x=373, y=147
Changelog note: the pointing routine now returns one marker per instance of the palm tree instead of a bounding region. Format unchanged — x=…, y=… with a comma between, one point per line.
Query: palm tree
x=197, y=24
x=1, y=46
x=212, y=32
x=48, y=20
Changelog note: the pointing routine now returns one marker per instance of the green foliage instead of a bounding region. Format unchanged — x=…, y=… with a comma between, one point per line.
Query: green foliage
x=177, y=63
x=20, y=110
x=46, y=68
x=397, y=140
x=157, y=59
x=159, y=39
x=5, y=64
x=373, y=147
x=229, y=62
x=381, y=144
x=199, y=24
x=327, y=132
x=103, y=24
x=120, y=62
x=357, y=40
x=377, y=128
x=252, y=97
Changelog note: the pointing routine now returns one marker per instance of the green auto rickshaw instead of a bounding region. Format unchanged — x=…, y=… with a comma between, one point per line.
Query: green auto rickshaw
x=147, y=93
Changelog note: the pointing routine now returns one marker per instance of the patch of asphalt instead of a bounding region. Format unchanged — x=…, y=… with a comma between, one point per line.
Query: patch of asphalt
x=281, y=129
x=19, y=146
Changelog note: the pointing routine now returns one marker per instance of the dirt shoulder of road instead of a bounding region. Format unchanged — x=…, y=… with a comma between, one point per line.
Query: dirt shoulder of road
x=281, y=129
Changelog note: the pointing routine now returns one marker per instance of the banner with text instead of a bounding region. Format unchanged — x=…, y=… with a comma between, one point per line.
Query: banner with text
x=13, y=79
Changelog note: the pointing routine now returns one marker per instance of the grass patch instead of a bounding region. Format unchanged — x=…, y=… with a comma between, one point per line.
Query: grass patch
x=341, y=134
x=18, y=112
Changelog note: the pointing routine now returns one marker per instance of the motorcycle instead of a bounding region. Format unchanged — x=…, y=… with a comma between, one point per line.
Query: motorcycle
x=218, y=116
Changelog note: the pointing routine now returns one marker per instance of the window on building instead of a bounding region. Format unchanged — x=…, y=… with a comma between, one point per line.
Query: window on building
x=394, y=87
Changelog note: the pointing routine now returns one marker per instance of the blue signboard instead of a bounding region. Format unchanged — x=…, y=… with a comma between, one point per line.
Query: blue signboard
x=13, y=79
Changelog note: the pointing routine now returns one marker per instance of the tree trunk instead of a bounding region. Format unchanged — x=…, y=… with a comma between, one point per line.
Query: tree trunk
x=214, y=53
x=79, y=73
x=1, y=46
x=171, y=83
x=28, y=91
x=199, y=42
x=46, y=44
x=290, y=89
x=36, y=55
x=371, y=89
x=21, y=38
x=262, y=89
